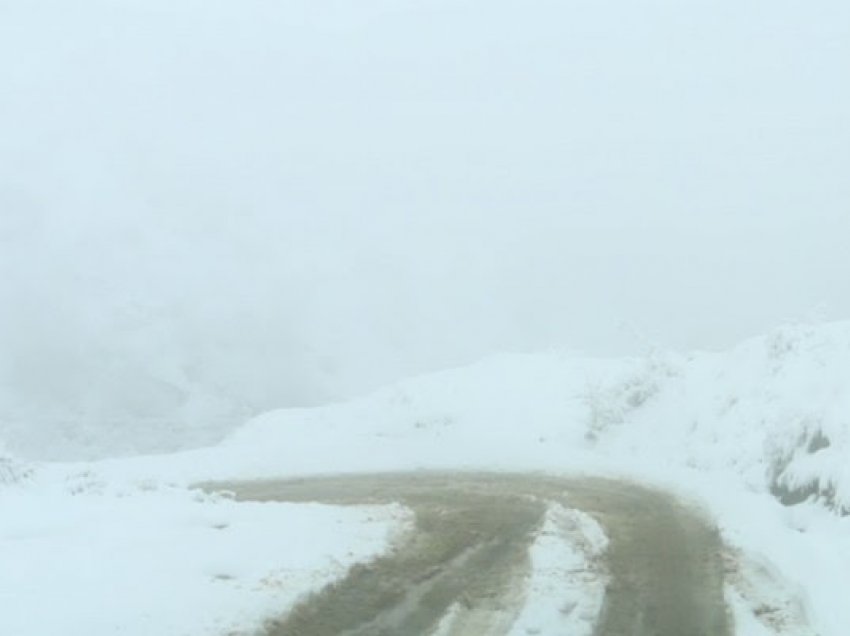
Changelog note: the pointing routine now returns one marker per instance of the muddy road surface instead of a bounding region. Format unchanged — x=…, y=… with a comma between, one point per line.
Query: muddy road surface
x=469, y=550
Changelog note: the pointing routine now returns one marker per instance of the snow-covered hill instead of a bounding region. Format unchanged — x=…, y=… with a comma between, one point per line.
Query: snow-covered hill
x=759, y=435
x=773, y=413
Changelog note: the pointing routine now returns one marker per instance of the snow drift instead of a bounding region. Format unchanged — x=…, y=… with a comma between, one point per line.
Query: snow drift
x=773, y=412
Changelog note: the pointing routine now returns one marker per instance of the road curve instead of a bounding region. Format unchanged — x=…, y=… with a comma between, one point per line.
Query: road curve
x=469, y=549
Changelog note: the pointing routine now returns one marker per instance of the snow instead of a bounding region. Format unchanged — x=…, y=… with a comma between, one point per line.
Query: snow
x=745, y=620
x=567, y=586
x=565, y=590
x=742, y=434
x=83, y=558
x=210, y=210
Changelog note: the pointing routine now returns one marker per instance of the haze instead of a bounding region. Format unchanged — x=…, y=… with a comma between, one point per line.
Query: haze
x=208, y=209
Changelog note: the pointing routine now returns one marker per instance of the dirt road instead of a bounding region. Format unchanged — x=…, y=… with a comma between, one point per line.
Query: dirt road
x=469, y=549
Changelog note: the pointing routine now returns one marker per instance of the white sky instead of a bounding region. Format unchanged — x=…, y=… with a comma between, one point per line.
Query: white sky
x=294, y=201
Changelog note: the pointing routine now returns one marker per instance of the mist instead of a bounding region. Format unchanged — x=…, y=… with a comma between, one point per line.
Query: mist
x=211, y=209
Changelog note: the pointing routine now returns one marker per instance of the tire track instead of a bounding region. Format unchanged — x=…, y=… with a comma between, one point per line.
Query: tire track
x=469, y=549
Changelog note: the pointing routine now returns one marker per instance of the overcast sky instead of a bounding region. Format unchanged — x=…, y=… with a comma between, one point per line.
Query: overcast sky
x=290, y=202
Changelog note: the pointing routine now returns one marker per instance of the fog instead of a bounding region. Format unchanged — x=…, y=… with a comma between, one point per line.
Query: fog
x=208, y=209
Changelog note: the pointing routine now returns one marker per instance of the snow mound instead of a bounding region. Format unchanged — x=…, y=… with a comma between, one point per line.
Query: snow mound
x=775, y=411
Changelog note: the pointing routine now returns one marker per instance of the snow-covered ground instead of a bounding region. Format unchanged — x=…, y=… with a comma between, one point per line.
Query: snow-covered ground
x=84, y=558
x=745, y=433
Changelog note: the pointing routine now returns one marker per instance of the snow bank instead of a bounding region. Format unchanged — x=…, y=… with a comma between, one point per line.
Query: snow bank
x=775, y=411
x=86, y=557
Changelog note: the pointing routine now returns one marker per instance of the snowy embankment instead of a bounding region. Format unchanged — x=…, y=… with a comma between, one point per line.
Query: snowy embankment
x=758, y=435
x=86, y=557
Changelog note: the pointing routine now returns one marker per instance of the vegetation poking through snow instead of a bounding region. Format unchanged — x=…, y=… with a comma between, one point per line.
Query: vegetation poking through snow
x=13, y=470
x=609, y=405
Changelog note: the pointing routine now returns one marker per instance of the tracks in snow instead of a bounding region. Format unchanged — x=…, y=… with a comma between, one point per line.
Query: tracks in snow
x=467, y=556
